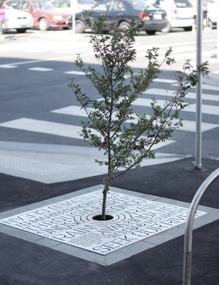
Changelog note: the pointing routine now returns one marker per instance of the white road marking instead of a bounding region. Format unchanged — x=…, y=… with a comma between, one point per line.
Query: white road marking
x=206, y=109
x=40, y=69
x=193, y=55
x=7, y=66
x=189, y=126
x=175, y=50
x=142, y=47
x=75, y=72
x=164, y=80
x=45, y=127
x=76, y=50
x=24, y=62
x=170, y=93
x=204, y=86
x=57, y=129
x=39, y=60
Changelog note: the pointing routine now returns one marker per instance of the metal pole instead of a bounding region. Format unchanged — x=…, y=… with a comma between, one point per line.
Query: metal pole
x=73, y=9
x=198, y=145
x=218, y=32
x=187, y=262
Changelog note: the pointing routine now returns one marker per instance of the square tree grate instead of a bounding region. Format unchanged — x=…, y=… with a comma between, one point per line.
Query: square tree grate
x=71, y=221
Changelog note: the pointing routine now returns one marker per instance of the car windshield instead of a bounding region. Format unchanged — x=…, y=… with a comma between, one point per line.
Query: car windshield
x=43, y=5
x=61, y=3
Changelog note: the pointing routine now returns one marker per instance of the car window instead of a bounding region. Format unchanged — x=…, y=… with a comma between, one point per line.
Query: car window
x=183, y=4
x=102, y=7
x=25, y=5
x=14, y=4
x=118, y=6
x=43, y=5
x=160, y=3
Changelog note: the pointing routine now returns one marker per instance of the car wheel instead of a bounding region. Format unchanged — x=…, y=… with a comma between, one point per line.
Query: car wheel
x=79, y=26
x=188, y=29
x=21, y=30
x=167, y=29
x=43, y=24
x=65, y=28
x=150, y=33
x=124, y=26
x=209, y=24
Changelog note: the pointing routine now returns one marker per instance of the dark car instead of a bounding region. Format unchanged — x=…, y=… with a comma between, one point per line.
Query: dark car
x=44, y=14
x=122, y=12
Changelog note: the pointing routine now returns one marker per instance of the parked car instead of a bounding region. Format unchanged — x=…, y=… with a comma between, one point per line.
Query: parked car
x=80, y=6
x=19, y=20
x=180, y=14
x=44, y=14
x=213, y=11
x=122, y=12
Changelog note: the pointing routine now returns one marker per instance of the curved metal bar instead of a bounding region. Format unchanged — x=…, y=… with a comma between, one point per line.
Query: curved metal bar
x=189, y=225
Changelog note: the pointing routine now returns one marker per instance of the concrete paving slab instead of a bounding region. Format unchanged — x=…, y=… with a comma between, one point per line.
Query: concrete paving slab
x=55, y=163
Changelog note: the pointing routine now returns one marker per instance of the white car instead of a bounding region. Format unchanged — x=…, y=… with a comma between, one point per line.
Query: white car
x=15, y=19
x=180, y=13
x=213, y=11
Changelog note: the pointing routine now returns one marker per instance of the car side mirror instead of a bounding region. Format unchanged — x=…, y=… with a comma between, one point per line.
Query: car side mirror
x=30, y=9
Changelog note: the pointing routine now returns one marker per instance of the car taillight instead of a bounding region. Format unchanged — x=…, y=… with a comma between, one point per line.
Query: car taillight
x=144, y=16
x=165, y=16
x=174, y=11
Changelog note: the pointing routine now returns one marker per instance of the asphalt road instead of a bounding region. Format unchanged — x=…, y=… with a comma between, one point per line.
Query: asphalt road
x=35, y=67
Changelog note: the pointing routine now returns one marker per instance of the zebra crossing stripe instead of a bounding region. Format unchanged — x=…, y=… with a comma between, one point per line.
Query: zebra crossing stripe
x=75, y=72
x=204, y=86
x=193, y=55
x=190, y=95
x=57, y=129
x=163, y=51
x=76, y=50
x=164, y=80
x=46, y=127
x=40, y=69
x=7, y=66
x=189, y=126
x=206, y=109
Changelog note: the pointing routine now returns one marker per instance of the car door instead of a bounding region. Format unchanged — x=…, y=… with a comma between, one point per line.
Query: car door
x=102, y=9
x=118, y=9
x=28, y=7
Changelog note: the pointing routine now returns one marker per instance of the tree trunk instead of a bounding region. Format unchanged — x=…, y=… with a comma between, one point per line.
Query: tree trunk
x=106, y=188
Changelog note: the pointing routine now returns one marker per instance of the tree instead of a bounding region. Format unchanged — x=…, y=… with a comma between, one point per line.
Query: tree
x=124, y=137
